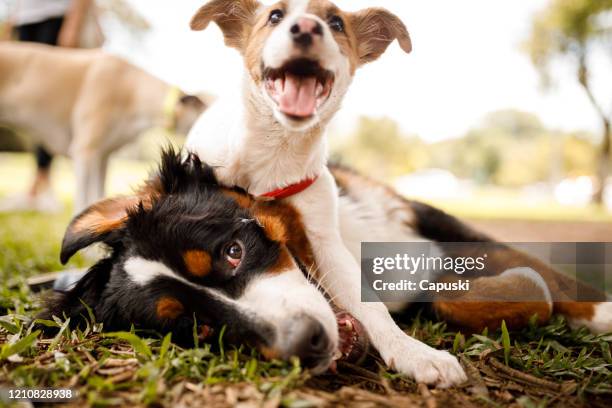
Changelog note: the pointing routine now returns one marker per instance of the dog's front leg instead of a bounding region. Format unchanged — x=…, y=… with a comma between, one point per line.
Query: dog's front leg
x=340, y=275
x=90, y=170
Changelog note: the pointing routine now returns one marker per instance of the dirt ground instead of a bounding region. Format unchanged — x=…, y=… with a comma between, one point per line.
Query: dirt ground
x=545, y=231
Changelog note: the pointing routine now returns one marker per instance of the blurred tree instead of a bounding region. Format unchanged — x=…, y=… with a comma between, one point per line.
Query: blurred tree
x=514, y=123
x=573, y=28
x=378, y=148
x=509, y=148
x=579, y=155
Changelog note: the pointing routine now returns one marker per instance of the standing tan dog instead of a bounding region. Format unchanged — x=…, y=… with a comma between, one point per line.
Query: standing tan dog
x=86, y=104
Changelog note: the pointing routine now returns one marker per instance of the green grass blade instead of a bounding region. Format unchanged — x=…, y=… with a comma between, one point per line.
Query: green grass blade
x=165, y=346
x=140, y=346
x=19, y=346
x=505, y=341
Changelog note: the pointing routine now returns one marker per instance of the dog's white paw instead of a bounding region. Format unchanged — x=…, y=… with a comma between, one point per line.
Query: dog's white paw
x=430, y=366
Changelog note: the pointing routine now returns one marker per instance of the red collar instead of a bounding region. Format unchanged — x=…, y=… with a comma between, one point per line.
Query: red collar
x=290, y=190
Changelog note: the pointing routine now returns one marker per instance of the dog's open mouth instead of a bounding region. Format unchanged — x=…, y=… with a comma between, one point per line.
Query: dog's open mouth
x=299, y=87
x=354, y=342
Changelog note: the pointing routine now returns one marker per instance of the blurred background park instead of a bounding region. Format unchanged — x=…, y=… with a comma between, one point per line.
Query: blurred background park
x=500, y=115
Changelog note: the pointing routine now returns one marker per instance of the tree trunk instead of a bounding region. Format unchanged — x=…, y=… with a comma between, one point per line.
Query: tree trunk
x=603, y=169
x=603, y=165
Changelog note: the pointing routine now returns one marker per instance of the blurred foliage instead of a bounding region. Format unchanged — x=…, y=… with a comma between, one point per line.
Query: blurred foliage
x=574, y=29
x=379, y=149
x=509, y=148
x=10, y=141
x=568, y=28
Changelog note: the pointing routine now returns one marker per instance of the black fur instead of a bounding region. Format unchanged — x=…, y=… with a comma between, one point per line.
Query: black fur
x=189, y=211
x=436, y=225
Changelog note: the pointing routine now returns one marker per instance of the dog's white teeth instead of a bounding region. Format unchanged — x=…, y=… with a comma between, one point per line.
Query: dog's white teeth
x=320, y=89
x=279, y=85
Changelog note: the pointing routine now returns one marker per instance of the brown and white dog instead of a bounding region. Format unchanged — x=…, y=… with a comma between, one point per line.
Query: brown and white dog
x=300, y=57
x=86, y=104
x=268, y=137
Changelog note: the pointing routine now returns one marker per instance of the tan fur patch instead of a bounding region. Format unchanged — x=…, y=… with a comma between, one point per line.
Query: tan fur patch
x=473, y=311
x=476, y=316
x=296, y=239
x=259, y=33
x=243, y=200
x=105, y=216
x=234, y=18
x=374, y=30
x=169, y=308
x=274, y=227
x=198, y=262
x=577, y=310
x=283, y=263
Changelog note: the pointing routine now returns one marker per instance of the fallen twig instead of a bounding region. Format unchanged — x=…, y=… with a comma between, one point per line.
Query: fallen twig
x=477, y=387
x=524, y=377
x=430, y=401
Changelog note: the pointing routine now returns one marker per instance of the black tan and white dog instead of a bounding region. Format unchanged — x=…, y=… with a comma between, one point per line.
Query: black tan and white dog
x=84, y=104
x=268, y=137
x=185, y=246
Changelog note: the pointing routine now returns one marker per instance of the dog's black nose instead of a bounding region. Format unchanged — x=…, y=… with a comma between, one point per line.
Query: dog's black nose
x=303, y=39
x=304, y=31
x=308, y=340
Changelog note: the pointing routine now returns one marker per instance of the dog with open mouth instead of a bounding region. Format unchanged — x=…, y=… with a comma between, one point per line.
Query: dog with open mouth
x=268, y=137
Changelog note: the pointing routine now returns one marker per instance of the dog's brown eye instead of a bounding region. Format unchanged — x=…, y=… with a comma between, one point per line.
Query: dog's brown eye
x=233, y=254
x=276, y=16
x=336, y=23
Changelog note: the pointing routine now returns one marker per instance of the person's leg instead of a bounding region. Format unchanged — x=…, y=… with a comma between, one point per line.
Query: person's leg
x=48, y=31
x=42, y=180
x=27, y=32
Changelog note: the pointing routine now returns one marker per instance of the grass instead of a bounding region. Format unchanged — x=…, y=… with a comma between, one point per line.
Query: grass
x=539, y=366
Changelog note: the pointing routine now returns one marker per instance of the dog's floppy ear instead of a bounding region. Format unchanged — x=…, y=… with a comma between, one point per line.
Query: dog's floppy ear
x=232, y=16
x=375, y=29
x=96, y=224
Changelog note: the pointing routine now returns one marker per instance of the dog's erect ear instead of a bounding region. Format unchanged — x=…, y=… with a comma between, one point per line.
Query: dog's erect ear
x=96, y=224
x=232, y=16
x=375, y=29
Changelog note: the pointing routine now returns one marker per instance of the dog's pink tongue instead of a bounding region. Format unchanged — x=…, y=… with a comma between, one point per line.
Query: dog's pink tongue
x=299, y=98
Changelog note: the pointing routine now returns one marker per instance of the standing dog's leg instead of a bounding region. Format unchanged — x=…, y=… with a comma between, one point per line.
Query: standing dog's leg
x=81, y=172
x=89, y=151
x=98, y=168
x=340, y=275
x=90, y=170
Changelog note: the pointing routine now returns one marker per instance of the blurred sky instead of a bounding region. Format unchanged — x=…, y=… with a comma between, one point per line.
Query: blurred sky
x=466, y=62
